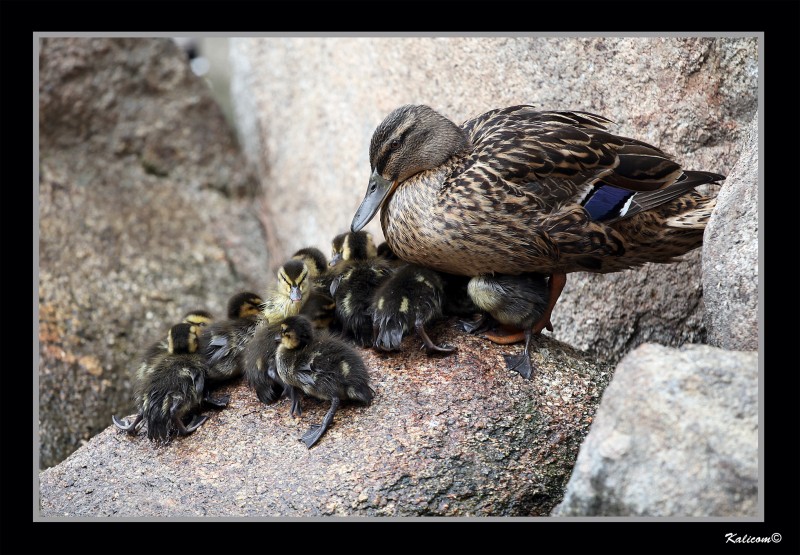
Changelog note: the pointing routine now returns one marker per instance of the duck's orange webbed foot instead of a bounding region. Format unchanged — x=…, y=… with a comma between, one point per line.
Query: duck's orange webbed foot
x=504, y=335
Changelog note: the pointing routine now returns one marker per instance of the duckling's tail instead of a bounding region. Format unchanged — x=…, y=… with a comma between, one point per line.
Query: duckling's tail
x=389, y=334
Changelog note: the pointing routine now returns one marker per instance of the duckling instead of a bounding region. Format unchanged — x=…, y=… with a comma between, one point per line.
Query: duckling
x=172, y=389
x=385, y=251
x=319, y=307
x=198, y=317
x=516, y=190
x=517, y=301
x=357, y=274
x=223, y=342
x=290, y=291
x=322, y=366
x=352, y=246
x=259, y=363
x=408, y=299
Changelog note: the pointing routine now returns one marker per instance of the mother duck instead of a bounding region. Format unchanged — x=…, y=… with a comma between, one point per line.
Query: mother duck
x=516, y=190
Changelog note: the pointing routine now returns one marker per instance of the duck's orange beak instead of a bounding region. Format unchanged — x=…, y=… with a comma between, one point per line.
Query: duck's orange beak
x=378, y=189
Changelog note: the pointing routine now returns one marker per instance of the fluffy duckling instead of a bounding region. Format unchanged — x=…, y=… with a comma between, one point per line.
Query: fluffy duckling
x=288, y=294
x=197, y=317
x=322, y=366
x=319, y=307
x=259, y=362
x=358, y=272
x=223, y=342
x=408, y=299
x=172, y=389
x=517, y=301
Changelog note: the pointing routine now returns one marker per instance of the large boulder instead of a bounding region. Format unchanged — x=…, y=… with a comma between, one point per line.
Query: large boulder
x=445, y=436
x=306, y=108
x=676, y=435
x=730, y=255
x=146, y=211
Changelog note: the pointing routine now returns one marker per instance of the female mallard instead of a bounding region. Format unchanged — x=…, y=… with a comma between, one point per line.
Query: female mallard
x=516, y=190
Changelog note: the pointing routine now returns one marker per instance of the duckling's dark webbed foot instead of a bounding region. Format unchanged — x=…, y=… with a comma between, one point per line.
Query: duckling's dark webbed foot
x=476, y=326
x=125, y=426
x=217, y=402
x=520, y=363
x=430, y=346
x=315, y=431
x=184, y=430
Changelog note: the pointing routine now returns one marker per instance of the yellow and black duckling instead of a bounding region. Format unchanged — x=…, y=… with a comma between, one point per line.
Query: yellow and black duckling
x=517, y=190
x=356, y=277
x=223, y=342
x=289, y=292
x=286, y=297
x=319, y=307
x=408, y=299
x=172, y=389
x=198, y=317
x=322, y=366
x=516, y=301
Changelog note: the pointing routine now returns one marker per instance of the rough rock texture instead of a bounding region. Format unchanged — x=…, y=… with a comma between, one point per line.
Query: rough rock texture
x=145, y=212
x=306, y=109
x=453, y=436
x=730, y=256
x=676, y=435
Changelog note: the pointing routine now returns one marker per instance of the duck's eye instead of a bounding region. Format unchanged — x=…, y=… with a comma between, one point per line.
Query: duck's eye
x=395, y=144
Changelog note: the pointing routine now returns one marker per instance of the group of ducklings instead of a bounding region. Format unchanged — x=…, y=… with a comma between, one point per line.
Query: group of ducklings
x=297, y=340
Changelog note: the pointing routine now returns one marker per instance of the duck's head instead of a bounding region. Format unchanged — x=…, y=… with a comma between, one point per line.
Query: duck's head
x=244, y=305
x=182, y=338
x=314, y=259
x=198, y=317
x=294, y=280
x=296, y=332
x=411, y=139
x=357, y=245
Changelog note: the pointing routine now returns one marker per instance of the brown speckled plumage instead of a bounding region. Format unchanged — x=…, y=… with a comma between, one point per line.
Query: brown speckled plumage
x=511, y=191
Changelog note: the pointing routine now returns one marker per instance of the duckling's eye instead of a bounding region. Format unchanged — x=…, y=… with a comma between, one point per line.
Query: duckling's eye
x=395, y=144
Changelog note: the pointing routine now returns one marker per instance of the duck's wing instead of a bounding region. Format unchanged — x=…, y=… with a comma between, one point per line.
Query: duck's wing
x=546, y=159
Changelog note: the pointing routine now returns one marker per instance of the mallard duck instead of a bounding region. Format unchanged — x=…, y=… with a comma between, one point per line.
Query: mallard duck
x=172, y=389
x=408, y=299
x=357, y=275
x=517, y=301
x=322, y=366
x=357, y=245
x=517, y=190
x=223, y=342
x=320, y=306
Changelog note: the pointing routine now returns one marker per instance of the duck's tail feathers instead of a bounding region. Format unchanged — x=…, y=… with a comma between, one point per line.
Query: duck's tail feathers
x=697, y=218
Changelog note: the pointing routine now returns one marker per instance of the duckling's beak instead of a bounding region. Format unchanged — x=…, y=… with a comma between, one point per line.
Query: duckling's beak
x=335, y=259
x=377, y=191
x=294, y=294
x=277, y=338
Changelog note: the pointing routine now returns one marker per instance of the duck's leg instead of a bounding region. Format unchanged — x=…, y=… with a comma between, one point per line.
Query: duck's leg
x=430, y=345
x=294, y=397
x=555, y=285
x=125, y=426
x=316, y=430
x=522, y=363
x=509, y=336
